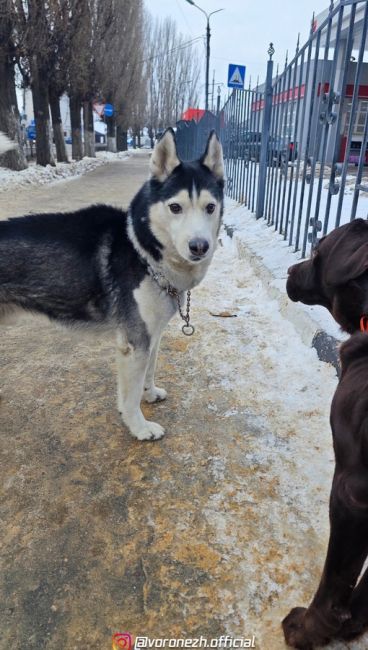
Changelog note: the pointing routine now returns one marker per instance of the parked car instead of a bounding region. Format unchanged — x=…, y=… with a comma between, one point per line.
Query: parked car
x=247, y=145
x=282, y=150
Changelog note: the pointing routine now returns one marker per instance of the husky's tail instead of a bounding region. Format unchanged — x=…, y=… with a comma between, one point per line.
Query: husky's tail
x=5, y=143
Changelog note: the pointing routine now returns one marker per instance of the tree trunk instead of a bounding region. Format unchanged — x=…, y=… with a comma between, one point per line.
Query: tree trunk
x=121, y=138
x=89, y=130
x=40, y=96
x=139, y=138
x=150, y=135
x=57, y=128
x=111, y=133
x=9, y=114
x=76, y=124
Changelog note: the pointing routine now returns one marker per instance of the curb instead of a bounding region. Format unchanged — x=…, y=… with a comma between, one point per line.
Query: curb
x=326, y=346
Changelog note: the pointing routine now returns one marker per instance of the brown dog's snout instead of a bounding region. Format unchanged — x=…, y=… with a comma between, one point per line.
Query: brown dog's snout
x=302, y=283
x=291, y=288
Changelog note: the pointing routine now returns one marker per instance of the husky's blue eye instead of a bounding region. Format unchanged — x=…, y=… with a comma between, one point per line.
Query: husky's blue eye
x=175, y=208
x=210, y=208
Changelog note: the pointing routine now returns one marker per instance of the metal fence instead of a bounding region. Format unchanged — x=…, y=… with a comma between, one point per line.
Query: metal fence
x=296, y=147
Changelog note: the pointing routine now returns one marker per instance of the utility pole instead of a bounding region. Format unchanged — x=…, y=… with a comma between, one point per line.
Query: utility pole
x=208, y=37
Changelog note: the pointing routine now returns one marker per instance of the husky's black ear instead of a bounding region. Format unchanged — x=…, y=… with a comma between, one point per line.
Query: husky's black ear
x=212, y=157
x=164, y=157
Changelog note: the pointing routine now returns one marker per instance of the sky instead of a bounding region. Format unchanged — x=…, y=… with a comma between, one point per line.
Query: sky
x=241, y=34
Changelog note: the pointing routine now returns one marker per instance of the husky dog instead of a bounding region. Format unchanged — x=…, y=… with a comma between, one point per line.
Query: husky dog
x=103, y=268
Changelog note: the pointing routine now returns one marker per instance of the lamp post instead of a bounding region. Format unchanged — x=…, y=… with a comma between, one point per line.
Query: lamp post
x=208, y=36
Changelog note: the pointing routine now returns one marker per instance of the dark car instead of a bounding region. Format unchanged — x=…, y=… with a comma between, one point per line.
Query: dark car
x=247, y=146
x=280, y=150
x=243, y=144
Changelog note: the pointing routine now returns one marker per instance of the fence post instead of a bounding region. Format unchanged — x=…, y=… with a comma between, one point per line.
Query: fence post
x=262, y=172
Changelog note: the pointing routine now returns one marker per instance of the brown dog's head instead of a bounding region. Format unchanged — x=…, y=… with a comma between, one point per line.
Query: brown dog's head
x=336, y=276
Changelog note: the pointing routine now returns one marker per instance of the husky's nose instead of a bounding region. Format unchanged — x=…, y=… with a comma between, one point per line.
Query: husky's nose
x=198, y=246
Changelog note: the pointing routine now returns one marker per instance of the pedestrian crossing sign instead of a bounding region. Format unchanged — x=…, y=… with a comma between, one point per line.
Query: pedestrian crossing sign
x=236, y=76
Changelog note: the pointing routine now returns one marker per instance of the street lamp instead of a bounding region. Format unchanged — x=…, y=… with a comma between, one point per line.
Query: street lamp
x=208, y=36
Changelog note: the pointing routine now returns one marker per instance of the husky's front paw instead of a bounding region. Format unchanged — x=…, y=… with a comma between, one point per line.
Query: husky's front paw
x=148, y=431
x=154, y=394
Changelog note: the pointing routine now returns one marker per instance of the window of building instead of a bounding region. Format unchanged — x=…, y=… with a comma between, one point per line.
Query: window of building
x=359, y=117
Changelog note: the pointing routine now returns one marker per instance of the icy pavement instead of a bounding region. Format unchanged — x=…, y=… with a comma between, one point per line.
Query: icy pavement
x=221, y=526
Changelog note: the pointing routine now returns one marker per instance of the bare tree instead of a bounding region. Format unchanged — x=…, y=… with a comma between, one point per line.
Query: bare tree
x=173, y=74
x=58, y=19
x=79, y=64
x=9, y=114
x=107, y=50
x=34, y=46
x=119, y=74
x=37, y=36
x=131, y=95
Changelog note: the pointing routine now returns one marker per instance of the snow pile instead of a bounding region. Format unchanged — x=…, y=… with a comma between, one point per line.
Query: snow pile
x=38, y=175
x=254, y=237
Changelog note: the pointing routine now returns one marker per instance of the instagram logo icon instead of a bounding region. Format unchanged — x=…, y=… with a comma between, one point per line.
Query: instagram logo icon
x=122, y=641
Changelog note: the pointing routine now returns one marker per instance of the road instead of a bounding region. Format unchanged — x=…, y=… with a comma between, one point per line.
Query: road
x=218, y=528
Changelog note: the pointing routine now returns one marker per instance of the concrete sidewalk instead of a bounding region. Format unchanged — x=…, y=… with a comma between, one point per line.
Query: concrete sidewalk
x=218, y=528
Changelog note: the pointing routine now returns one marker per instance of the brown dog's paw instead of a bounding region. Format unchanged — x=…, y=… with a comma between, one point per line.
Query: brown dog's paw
x=353, y=628
x=306, y=629
x=295, y=633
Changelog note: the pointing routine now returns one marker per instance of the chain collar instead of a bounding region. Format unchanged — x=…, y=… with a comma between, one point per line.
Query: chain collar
x=160, y=278
x=163, y=283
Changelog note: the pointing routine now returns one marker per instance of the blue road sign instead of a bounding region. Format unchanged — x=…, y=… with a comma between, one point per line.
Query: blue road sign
x=108, y=110
x=236, y=76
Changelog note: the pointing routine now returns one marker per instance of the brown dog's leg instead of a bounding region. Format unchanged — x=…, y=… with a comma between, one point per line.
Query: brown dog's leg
x=358, y=623
x=347, y=551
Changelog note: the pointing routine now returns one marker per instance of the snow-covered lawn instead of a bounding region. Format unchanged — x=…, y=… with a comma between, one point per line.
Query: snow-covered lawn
x=37, y=175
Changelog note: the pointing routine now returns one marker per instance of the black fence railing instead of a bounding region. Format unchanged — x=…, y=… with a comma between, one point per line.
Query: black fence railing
x=296, y=147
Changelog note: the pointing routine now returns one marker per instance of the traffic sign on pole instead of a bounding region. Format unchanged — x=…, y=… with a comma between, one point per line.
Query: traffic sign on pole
x=236, y=76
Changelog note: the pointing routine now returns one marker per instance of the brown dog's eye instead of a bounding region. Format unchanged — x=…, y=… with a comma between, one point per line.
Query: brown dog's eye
x=175, y=208
x=210, y=208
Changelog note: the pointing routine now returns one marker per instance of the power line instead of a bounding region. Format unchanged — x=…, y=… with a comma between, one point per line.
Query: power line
x=184, y=16
x=180, y=47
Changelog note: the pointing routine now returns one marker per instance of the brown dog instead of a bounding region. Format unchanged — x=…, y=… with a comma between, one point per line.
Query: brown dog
x=335, y=277
x=337, y=609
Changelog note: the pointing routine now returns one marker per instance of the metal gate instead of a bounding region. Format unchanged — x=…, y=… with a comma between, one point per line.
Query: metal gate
x=312, y=123
x=296, y=147
x=240, y=135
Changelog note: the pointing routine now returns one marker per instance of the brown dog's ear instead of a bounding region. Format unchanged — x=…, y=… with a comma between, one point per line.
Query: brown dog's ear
x=348, y=258
x=212, y=157
x=164, y=157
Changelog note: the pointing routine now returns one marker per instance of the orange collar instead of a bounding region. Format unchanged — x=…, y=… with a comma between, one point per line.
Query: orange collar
x=364, y=324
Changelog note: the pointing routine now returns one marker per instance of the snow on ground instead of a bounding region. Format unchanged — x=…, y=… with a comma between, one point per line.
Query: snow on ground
x=237, y=177
x=276, y=256
x=38, y=175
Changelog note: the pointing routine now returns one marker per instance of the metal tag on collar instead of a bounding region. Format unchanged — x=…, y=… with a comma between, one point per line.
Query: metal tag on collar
x=187, y=329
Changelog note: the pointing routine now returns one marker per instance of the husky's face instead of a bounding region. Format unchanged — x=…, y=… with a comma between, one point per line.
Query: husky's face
x=186, y=201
